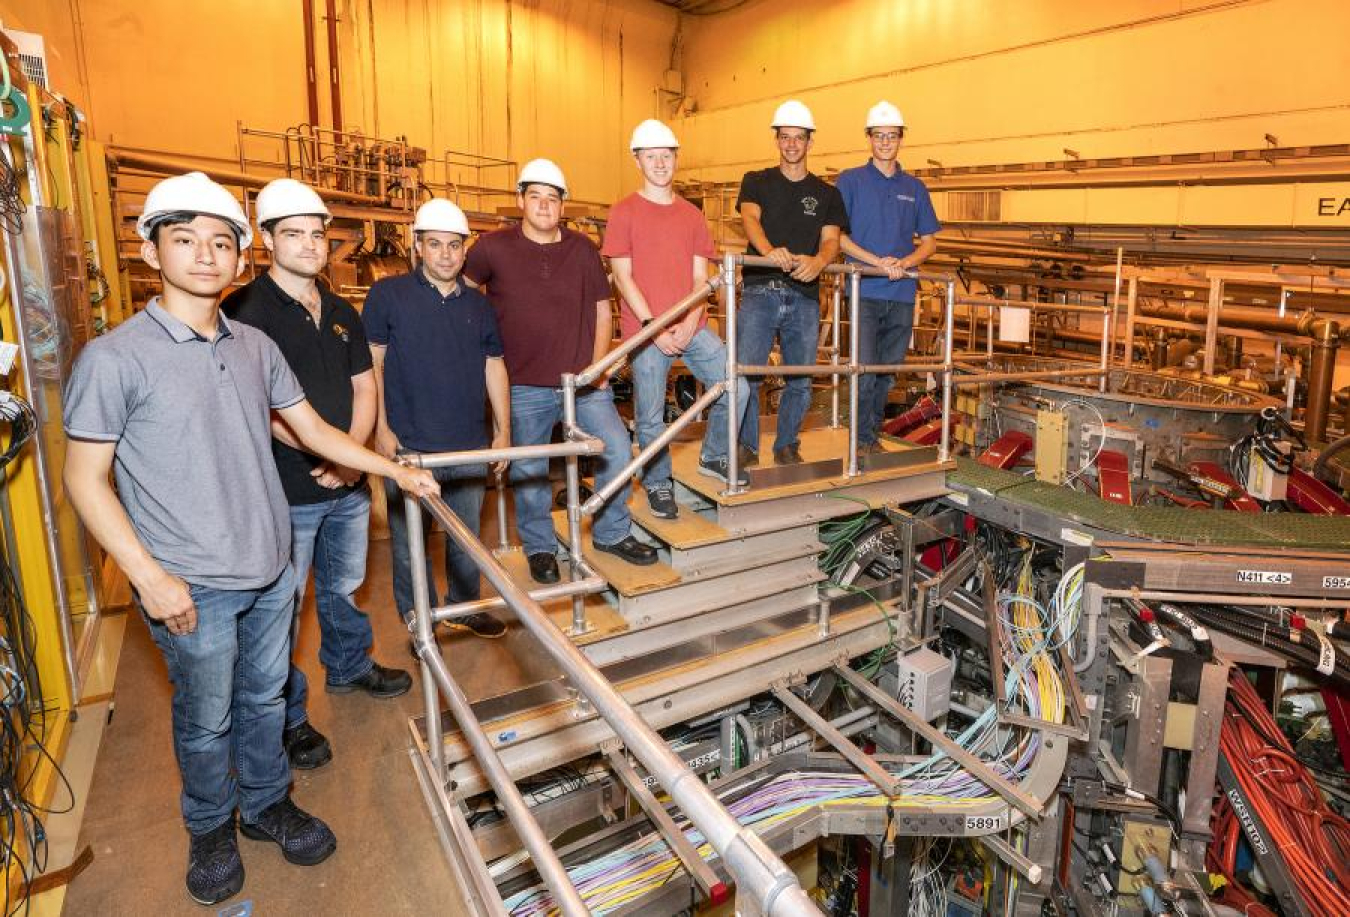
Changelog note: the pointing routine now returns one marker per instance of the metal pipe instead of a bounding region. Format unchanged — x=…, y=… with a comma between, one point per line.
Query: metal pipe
x=1224, y=598
x=587, y=586
x=1325, y=345
x=658, y=324
x=733, y=379
x=573, y=474
x=836, y=303
x=574, y=445
x=120, y=158
x=849, y=268
x=1108, y=328
x=861, y=369
x=672, y=430
x=758, y=872
x=311, y=63
x=854, y=336
x=987, y=302
x=988, y=378
x=334, y=73
x=424, y=638
x=499, y=483
x=544, y=858
x=945, y=443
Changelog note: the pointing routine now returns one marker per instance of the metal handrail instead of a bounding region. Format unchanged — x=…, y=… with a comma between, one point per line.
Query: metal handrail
x=658, y=324
x=437, y=682
x=760, y=875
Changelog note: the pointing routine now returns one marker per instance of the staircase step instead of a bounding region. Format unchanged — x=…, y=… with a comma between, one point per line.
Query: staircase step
x=658, y=606
x=625, y=578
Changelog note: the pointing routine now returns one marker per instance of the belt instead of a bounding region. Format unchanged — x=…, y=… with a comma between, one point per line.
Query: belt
x=775, y=285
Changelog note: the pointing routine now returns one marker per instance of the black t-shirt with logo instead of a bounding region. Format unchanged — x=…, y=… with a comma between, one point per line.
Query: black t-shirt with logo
x=792, y=214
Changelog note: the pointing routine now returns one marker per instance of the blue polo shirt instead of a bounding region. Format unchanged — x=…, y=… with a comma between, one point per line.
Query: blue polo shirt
x=435, y=387
x=885, y=214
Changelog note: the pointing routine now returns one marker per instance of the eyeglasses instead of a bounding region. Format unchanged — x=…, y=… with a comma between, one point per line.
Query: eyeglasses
x=888, y=137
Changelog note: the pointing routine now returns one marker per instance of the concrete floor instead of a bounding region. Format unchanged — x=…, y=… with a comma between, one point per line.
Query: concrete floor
x=388, y=860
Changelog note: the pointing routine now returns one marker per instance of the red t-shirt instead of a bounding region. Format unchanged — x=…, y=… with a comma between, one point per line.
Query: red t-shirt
x=662, y=240
x=544, y=295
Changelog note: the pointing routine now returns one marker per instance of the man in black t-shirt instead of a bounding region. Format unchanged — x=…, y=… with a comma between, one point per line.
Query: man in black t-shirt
x=793, y=218
x=320, y=335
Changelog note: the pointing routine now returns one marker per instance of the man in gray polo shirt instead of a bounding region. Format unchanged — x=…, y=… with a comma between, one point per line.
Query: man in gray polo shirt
x=177, y=402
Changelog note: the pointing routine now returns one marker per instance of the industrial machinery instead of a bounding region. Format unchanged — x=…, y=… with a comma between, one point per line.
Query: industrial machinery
x=1007, y=671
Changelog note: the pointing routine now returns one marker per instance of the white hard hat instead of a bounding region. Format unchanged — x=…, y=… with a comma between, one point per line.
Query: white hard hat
x=653, y=135
x=287, y=197
x=793, y=114
x=193, y=193
x=884, y=114
x=542, y=172
x=440, y=215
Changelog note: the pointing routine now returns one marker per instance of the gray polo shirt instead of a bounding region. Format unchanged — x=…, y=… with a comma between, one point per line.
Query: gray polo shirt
x=193, y=462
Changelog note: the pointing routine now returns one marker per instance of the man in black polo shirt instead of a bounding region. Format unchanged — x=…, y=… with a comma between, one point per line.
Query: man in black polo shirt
x=794, y=219
x=438, y=358
x=320, y=335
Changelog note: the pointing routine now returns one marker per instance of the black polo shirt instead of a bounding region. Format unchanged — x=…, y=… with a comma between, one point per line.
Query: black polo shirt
x=792, y=213
x=324, y=358
x=435, y=364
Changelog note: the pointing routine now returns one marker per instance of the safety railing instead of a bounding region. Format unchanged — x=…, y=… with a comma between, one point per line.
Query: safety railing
x=992, y=303
x=764, y=884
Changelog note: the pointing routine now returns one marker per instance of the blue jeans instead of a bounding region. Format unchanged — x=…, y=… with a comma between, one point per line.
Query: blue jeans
x=331, y=536
x=884, y=329
x=462, y=489
x=535, y=411
x=228, y=709
x=766, y=310
x=706, y=357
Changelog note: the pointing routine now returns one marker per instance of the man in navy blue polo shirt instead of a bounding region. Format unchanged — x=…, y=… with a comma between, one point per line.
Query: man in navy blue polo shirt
x=887, y=209
x=438, y=359
x=319, y=334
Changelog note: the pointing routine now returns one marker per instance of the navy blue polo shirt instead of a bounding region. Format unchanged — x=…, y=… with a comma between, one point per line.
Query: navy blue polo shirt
x=885, y=214
x=435, y=388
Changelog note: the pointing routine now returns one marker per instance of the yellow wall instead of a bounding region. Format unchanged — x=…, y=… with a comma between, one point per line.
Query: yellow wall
x=1004, y=81
x=512, y=79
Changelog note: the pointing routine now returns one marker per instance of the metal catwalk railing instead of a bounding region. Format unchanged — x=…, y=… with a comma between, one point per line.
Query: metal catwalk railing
x=764, y=884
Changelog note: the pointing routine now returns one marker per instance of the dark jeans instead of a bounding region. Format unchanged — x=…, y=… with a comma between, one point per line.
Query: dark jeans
x=331, y=537
x=228, y=710
x=768, y=310
x=884, y=329
x=535, y=411
x=706, y=358
x=462, y=488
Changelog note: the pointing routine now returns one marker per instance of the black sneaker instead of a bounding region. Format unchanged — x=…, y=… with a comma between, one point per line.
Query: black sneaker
x=788, y=455
x=378, y=682
x=661, y=501
x=631, y=550
x=215, y=871
x=871, y=449
x=717, y=468
x=306, y=747
x=304, y=840
x=749, y=458
x=481, y=624
x=544, y=568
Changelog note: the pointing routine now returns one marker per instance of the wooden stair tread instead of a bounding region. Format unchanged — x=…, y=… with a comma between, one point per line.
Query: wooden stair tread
x=604, y=618
x=687, y=530
x=627, y=578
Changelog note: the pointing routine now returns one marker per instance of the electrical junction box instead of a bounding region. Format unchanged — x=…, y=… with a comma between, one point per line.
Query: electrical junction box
x=922, y=681
x=1052, y=447
x=1263, y=482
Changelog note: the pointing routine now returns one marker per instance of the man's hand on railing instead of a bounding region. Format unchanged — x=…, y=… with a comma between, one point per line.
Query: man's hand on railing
x=808, y=268
x=895, y=268
x=783, y=258
x=501, y=440
x=386, y=443
x=417, y=481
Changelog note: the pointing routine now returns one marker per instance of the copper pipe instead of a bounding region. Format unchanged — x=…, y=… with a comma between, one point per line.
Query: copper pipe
x=334, y=74
x=173, y=165
x=311, y=78
x=1234, y=317
x=1326, y=342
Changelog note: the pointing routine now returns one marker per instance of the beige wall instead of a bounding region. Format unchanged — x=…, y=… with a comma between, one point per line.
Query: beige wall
x=1003, y=81
x=508, y=78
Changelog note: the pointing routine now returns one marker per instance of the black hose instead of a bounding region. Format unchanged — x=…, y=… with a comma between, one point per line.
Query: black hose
x=1325, y=455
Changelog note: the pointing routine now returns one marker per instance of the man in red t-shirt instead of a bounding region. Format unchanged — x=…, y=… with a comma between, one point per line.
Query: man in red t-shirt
x=659, y=247
x=549, y=289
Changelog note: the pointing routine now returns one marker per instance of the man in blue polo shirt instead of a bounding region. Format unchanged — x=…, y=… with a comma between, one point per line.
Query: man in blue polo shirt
x=438, y=358
x=887, y=209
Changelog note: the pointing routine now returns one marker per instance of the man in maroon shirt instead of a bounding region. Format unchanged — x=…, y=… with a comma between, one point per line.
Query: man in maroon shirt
x=549, y=289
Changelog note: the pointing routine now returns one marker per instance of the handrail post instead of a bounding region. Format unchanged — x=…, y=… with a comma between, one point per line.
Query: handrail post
x=837, y=298
x=854, y=380
x=423, y=632
x=1108, y=321
x=945, y=444
x=733, y=379
x=579, y=624
x=502, y=541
